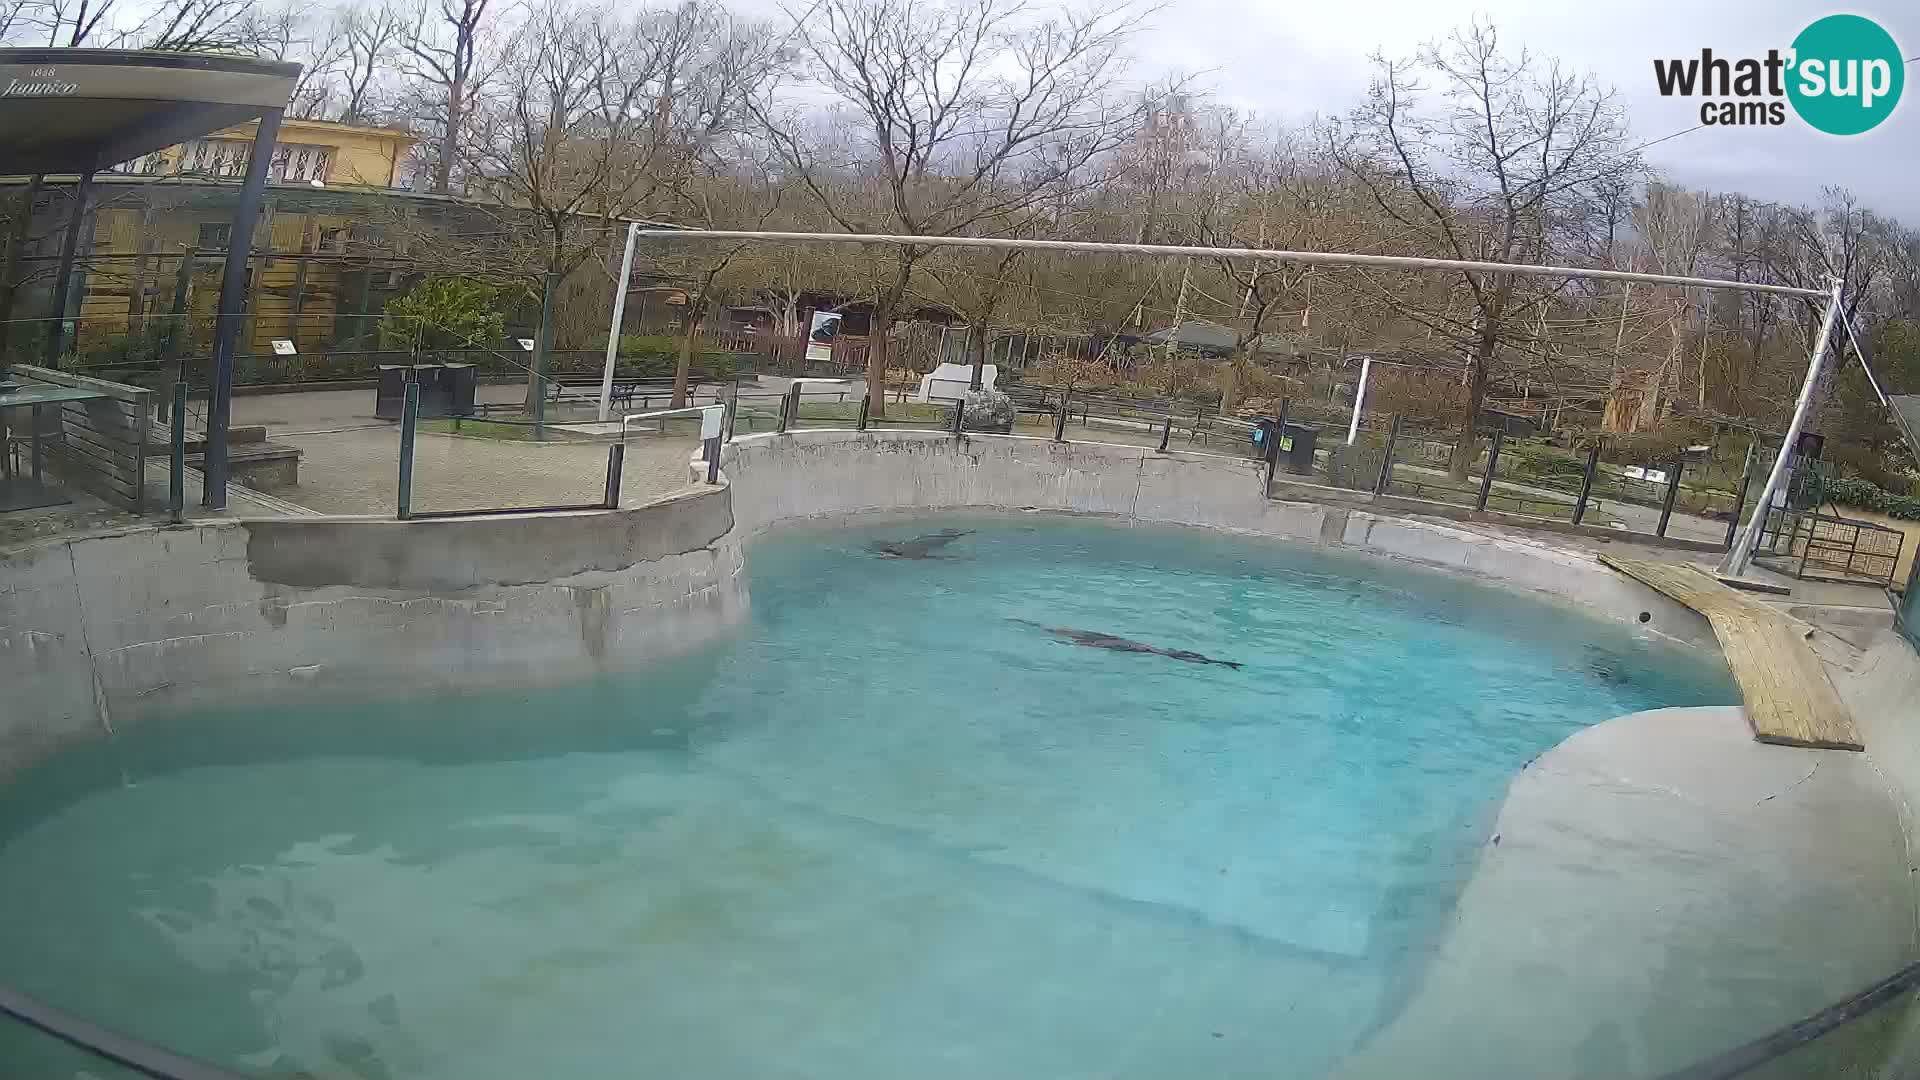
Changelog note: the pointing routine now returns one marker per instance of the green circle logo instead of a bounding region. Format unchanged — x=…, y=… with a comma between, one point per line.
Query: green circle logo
x=1846, y=75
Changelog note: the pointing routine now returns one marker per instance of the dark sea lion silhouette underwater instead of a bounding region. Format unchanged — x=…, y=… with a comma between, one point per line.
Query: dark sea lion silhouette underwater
x=1096, y=639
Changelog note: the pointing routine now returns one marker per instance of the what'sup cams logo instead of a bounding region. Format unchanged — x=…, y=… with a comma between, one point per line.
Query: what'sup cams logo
x=1843, y=75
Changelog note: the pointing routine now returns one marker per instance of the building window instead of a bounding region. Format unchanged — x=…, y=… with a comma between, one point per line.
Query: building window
x=291, y=162
x=214, y=157
x=300, y=163
x=214, y=235
x=144, y=165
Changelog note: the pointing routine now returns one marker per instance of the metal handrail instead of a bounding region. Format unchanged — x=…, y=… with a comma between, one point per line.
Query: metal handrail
x=142, y=1057
x=663, y=414
x=1749, y=1056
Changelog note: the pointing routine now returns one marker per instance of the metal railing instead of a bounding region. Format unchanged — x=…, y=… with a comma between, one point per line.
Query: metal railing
x=88, y=1037
x=713, y=426
x=1813, y=546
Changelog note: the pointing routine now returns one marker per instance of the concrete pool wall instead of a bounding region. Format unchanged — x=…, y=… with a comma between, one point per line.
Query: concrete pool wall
x=778, y=478
x=103, y=630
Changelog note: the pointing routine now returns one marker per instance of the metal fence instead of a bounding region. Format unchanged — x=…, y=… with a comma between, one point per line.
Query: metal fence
x=1819, y=547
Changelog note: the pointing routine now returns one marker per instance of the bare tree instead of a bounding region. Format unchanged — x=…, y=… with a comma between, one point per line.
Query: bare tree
x=293, y=33
x=1489, y=175
x=370, y=39
x=707, y=170
x=446, y=59
x=951, y=114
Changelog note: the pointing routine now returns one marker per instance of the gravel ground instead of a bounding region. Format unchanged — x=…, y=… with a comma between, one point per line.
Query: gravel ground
x=357, y=472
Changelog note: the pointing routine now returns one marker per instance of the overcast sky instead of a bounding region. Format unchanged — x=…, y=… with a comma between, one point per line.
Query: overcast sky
x=1293, y=60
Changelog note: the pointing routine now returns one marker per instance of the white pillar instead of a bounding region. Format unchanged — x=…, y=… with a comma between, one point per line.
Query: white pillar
x=1741, y=554
x=619, y=313
x=1359, y=399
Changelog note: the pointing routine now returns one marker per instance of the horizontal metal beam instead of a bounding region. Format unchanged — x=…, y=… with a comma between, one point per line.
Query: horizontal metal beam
x=1310, y=258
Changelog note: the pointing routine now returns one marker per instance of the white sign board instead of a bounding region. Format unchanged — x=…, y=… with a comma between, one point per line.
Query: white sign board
x=1651, y=476
x=710, y=418
x=826, y=327
x=526, y=343
x=949, y=382
x=283, y=347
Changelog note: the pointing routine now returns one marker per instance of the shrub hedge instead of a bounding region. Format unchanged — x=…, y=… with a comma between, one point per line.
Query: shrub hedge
x=1853, y=491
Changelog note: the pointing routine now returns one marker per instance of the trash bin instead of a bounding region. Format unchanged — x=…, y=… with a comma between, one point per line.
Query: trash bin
x=1297, y=443
x=436, y=390
x=460, y=380
x=1266, y=430
x=390, y=394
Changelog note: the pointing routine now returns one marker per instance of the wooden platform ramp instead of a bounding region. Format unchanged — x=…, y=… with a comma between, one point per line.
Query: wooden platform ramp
x=1788, y=697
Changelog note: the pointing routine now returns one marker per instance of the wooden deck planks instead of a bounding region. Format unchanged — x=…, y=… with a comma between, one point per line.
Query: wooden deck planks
x=1789, y=699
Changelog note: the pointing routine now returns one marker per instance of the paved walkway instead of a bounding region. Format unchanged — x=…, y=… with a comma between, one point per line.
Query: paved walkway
x=357, y=471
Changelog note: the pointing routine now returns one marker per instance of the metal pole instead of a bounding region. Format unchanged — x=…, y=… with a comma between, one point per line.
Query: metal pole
x=1740, y=496
x=713, y=460
x=231, y=311
x=1386, y=464
x=959, y=412
x=616, y=461
x=409, y=418
x=542, y=344
x=63, y=285
x=1166, y=430
x=866, y=403
x=1060, y=422
x=733, y=406
x=1359, y=398
x=1673, y=489
x=1304, y=258
x=1493, y=460
x=177, y=477
x=1586, y=482
x=789, y=407
x=619, y=313
x=1741, y=553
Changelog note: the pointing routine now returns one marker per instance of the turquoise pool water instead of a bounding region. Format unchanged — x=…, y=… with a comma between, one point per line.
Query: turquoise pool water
x=898, y=827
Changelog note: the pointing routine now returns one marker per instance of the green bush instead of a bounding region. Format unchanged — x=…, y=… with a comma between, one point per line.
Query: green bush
x=653, y=356
x=443, y=313
x=1853, y=491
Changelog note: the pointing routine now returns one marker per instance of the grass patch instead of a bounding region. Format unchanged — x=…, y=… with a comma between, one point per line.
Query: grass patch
x=497, y=429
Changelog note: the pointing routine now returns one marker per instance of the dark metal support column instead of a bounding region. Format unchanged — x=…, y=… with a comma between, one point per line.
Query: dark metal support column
x=616, y=463
x=231, y=313
x=409, y=423
x=1586, y=483
x=1740, y=496
x=1386, y=461
x=1673, y=489
x=63, y=285
x=177, y=456
x=1493, y=461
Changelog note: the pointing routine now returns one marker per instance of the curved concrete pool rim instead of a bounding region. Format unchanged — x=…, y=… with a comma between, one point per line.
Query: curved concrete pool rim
x=105, y=630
